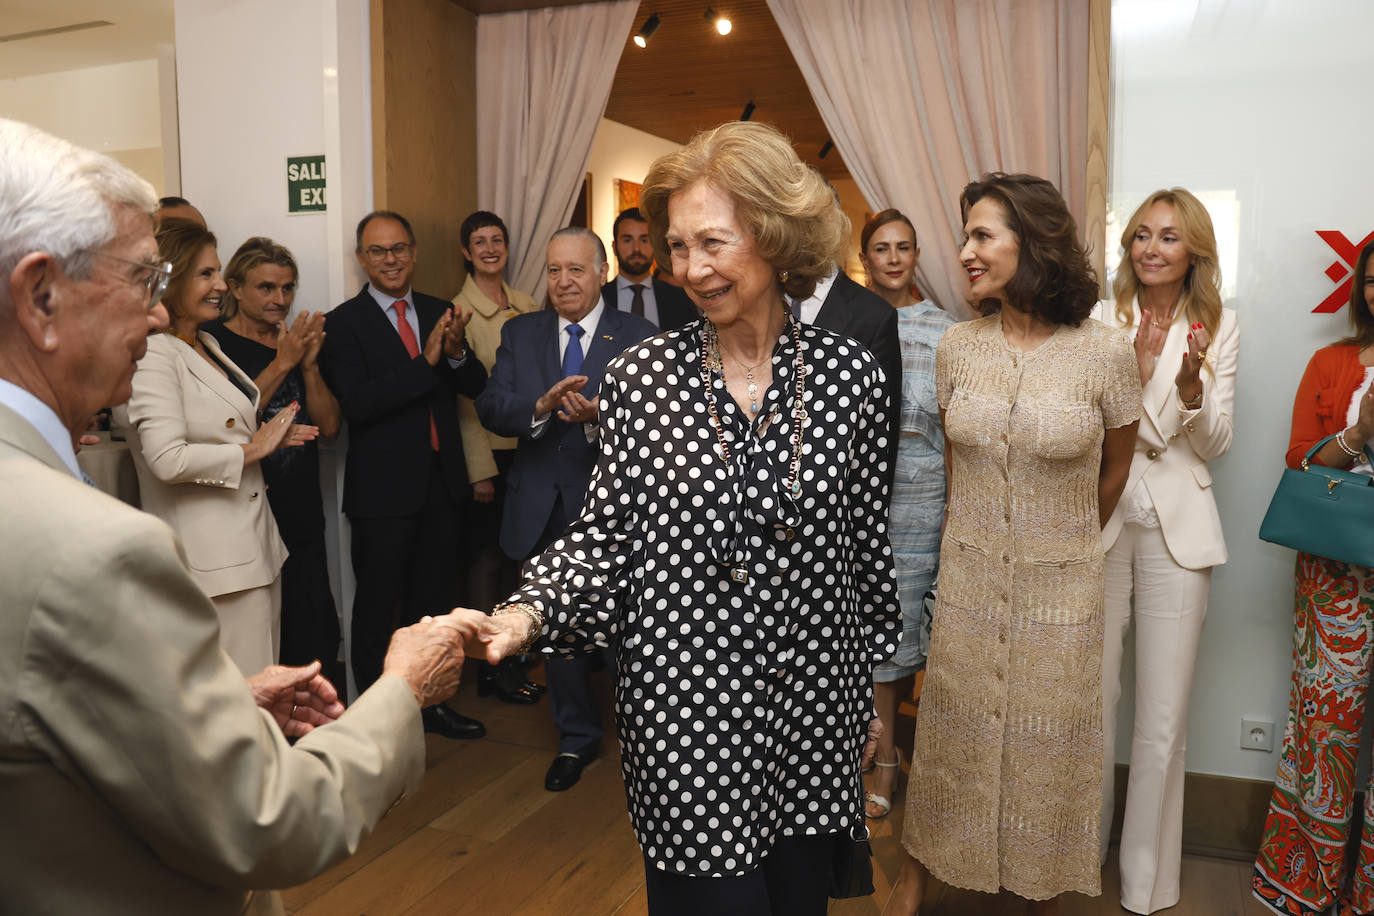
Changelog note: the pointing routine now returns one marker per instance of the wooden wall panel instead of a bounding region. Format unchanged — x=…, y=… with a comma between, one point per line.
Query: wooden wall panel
x=1099, y=134
x=424, y=140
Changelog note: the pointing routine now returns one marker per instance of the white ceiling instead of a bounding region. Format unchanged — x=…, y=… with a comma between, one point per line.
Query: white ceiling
x=139, y=26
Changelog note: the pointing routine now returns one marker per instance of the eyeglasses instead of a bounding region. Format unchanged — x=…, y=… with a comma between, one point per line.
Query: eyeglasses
x=153, y=276
x=376, y=253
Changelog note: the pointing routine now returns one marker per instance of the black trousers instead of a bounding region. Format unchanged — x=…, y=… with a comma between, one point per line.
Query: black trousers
x=309, y=622
x=404, y=568
x=793, y=880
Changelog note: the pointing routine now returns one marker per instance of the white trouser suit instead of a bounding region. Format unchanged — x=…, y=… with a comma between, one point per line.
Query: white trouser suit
x=1162, y=542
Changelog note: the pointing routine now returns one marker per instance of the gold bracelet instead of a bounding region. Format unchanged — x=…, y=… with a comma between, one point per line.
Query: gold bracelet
x=534, y=627
x=1194, y=404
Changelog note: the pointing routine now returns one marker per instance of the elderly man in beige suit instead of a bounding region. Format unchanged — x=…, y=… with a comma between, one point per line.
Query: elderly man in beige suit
x=139, y=773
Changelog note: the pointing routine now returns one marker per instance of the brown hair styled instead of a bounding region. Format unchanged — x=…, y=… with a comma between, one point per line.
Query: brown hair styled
x=180, y=241
x=881, y=219
x=1053, y=279
x=798, y=227
x=1361, y=320
x=255, y=252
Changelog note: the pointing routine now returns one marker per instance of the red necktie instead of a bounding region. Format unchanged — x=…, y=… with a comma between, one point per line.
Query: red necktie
x=413, y=348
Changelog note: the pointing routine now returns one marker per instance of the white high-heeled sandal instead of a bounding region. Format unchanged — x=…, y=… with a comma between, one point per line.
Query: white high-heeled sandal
x=882, y=801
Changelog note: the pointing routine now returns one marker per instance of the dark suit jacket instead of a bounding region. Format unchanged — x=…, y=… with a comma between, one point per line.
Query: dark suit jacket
x=863, y=315
x=561, y=460
x=674, y=307
x=387, y=397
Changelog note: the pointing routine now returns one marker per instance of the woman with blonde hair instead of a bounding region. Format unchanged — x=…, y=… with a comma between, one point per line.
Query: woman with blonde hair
x=198, y=449
x=1165, y=535
x=283, y=360
x=732, y=545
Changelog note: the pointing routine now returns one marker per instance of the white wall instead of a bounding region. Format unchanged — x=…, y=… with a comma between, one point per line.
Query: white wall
x=300, y=87
x=620, y=152
x=1259, y=107
x=113, y=109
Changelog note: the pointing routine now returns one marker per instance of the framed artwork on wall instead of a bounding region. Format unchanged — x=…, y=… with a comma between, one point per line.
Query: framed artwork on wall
x=626, y=194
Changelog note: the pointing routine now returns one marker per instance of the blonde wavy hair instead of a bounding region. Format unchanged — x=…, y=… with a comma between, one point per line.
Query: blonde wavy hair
x=1201, y=297
x=792, y=212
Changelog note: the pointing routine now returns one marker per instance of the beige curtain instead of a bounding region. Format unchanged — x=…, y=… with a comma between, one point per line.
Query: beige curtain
x=921, y=96
x=543, y=78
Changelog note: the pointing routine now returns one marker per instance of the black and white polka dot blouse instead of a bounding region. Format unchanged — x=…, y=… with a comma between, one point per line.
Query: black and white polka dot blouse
x=741, y=707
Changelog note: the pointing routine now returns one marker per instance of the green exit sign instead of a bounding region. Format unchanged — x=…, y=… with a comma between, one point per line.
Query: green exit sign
x=304, y=184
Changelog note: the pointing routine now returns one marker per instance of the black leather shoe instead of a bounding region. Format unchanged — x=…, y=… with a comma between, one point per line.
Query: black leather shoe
x=537, y=689
x=566, y=770
x=443, y=721
x=519, y=696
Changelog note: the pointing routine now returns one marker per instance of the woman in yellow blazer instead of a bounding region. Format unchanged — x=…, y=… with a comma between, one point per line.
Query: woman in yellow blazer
x=1165, y=535
x=491, y=302
x=193, y=431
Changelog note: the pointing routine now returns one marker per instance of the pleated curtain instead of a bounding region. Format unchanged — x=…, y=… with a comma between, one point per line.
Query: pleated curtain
x=543, y=79
x=922, y=96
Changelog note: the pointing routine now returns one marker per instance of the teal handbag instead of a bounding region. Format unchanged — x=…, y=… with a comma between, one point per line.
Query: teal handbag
x=1323, y=511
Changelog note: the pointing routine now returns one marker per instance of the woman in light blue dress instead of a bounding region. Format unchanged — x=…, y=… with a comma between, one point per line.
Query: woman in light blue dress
x=889, y=254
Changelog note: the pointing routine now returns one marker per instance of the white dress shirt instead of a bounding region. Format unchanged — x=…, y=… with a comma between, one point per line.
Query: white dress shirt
x=625, y=297
x=588, y=324
x=44, y=419
x=811, y=306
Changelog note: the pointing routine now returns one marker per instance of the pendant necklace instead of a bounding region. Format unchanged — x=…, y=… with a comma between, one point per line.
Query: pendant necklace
x=711, y=363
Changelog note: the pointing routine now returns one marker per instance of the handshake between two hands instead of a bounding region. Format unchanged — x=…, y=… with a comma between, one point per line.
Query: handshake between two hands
x=428, y=655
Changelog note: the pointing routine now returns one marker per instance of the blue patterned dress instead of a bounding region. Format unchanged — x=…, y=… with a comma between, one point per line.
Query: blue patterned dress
x=918, y=492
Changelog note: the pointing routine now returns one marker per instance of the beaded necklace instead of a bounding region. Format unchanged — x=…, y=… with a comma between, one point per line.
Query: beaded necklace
x=711, y=363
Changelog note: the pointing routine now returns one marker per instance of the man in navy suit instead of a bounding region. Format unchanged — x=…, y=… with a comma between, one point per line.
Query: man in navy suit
x=543, y=389
x=396, y=359
x=635, y=289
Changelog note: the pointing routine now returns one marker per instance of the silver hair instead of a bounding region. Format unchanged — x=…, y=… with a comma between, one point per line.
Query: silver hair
x=581, y=232
x=61, y=199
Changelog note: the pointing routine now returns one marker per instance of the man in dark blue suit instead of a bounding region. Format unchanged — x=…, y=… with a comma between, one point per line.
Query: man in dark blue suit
x=635, y=289
x=396, y=359
x=543, y=389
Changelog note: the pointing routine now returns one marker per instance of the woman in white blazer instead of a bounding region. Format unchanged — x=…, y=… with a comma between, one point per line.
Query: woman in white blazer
x=1165, y=535
x=193, y=431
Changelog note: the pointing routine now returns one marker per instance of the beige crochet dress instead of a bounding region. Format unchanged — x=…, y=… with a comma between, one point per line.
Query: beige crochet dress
x=1006, y=773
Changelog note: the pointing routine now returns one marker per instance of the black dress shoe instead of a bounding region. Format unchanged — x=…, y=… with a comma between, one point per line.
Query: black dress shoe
x=537, y=689
x=443, y=721
x=566, y=770
x=519, y=696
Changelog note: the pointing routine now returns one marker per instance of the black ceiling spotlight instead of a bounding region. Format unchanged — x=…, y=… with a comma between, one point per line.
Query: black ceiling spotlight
x=748, y=111
x=825, y=150
x=722, y=23
x=647, y=30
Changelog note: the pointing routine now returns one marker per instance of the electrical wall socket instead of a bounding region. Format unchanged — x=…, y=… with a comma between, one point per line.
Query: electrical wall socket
x=1256, y=735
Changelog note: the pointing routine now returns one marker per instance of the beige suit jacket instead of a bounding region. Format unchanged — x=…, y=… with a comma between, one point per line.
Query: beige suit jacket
x=136, y=774
x=484, y=336
x=1174, y=444
x=186, y=424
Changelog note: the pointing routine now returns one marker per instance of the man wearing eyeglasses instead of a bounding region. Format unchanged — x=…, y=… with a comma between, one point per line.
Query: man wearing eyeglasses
x=396, y=359
x=139, y=772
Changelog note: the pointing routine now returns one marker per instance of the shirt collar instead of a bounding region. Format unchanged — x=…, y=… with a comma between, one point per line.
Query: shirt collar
x=44, y=419
x=386, y=301
x=624, y=282
x=589, y=321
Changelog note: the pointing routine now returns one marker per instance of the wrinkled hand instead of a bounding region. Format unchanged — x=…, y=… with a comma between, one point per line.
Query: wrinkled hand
x=553, y=398
x=1189, y=378
x=1149, y=343
x=434, y=343
x=484, y=491
x=299, y=699
x=314, y=340
x=429, y=656
x=577, y=409
x=455, y=347
x=875, y=731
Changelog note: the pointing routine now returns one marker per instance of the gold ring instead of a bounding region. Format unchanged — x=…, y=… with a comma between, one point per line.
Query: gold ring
x=293, y=711
x=1201, y=354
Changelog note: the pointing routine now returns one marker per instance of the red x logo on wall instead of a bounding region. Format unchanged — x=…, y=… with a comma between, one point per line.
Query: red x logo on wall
x=1340, y=271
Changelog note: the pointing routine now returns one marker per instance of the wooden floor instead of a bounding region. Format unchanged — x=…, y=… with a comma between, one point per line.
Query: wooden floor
x=482, y=836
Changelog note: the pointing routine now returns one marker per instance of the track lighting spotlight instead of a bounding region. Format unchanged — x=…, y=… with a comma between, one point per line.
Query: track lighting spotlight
x=748, y=111
x=647, y=30
x=826, y=148
x=722, y=23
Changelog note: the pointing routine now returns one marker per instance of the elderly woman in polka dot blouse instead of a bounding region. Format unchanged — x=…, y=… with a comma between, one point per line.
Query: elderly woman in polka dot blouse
x=733, y=544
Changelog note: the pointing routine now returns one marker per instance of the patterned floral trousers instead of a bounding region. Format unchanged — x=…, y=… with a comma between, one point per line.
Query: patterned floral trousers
x=1301, y=863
